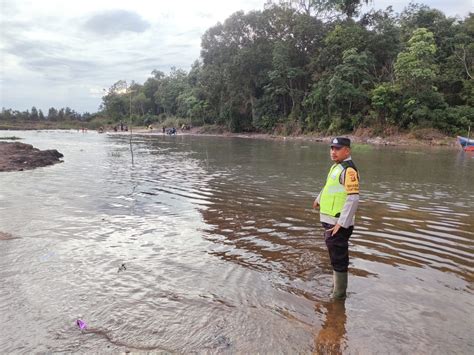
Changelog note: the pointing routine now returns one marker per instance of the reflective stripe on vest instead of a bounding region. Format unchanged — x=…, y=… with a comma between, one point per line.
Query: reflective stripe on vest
x=333, y=196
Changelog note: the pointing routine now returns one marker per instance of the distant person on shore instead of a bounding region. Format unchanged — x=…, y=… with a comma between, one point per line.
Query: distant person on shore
x=171, y=131
x=164, y=129
x=338, y=203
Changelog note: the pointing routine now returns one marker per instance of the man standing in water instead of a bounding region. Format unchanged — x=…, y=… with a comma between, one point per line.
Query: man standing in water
x=338, y=202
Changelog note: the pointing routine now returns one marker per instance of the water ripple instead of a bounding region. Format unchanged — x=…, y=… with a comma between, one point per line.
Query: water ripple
x=223, y=252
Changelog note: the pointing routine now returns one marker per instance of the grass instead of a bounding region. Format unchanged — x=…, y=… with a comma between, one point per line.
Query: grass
x=12, y=138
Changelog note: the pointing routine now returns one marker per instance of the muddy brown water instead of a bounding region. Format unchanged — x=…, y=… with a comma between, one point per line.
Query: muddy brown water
x=223, y=253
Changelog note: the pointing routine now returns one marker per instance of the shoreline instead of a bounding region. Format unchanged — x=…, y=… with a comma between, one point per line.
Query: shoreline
x=433, y=138
x=396, y=140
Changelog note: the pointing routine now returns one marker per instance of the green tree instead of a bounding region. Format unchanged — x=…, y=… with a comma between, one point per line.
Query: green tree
x=52, y=114
x=463, y=48
x=384, y=43
x=116, y=101
x=386, y=99
x=169, y=89
x=34, y=114
x=322, y=8
x=415, y=67
x=348, y=88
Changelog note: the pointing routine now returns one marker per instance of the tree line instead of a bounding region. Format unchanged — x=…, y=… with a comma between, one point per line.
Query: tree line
x=37, y=115
x=316, y=65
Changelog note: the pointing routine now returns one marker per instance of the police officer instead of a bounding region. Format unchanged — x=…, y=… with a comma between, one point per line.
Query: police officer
x=338, y=203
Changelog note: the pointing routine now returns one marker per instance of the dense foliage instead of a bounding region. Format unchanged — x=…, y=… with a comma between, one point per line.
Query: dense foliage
x=317, y=65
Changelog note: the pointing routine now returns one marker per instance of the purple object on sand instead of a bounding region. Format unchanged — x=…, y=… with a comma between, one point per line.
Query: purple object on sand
x=81, y=324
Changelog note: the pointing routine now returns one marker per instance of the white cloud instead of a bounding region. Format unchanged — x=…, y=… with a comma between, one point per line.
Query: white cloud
x=53, y=51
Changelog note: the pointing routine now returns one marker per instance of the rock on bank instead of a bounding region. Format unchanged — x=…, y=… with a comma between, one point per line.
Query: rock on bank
x=19, y=156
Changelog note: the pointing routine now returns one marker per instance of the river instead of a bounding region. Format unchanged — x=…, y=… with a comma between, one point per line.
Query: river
x=210, y=245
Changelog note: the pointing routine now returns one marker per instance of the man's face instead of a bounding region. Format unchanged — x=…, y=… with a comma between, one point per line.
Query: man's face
x=339, y=154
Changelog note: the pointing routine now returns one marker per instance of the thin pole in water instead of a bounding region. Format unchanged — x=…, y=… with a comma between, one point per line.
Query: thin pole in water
x=131, y=149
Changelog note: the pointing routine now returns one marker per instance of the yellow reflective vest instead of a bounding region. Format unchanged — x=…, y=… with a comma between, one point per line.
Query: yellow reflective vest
x=334, y=195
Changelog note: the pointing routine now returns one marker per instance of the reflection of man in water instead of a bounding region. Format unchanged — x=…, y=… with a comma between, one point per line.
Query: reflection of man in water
x=338, y=203
x=331, y=338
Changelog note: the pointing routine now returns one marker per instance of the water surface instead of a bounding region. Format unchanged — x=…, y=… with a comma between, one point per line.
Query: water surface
x=223, y=252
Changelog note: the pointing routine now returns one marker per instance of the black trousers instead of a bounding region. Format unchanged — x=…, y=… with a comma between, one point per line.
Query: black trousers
x=338, y=246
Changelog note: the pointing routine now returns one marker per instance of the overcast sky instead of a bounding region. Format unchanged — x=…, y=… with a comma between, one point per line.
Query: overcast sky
x=64, y=53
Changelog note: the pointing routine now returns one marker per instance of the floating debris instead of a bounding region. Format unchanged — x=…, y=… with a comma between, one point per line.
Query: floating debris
x=81, y=324
x=121, y=268
x=6, y=236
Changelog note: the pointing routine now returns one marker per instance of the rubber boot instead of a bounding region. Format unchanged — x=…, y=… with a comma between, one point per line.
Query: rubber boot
x=340, y=285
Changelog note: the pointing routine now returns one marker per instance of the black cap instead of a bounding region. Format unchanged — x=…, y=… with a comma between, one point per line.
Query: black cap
x=340, y=142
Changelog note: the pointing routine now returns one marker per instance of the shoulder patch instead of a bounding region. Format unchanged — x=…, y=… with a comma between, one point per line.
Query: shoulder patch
x=351, y=182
